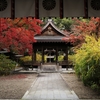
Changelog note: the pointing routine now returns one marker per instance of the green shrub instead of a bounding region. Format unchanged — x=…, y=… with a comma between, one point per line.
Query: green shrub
x=45, y=58
x=26, y=58
x=6, y=65
x=87, y=62
x=71, y=59
x=29, y=58
x=61, y=58
x=95, y=87
x=38, y=57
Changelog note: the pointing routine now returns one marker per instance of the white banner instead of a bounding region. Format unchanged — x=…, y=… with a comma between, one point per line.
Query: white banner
x=24, y=8
x=6, y=8
x=49, y=8
x=73, y=8
x=93, y=8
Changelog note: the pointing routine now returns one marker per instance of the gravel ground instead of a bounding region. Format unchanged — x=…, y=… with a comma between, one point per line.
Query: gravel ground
x=14, y=86
x=78, y=87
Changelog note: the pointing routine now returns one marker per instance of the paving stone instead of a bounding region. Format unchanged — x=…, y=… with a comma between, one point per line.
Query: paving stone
x=50, y=86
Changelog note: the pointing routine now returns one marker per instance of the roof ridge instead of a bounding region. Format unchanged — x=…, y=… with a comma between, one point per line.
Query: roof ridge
x=54, y=26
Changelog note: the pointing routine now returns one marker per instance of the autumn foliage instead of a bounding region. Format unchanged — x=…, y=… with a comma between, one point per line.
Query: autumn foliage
x=86, y=58
x=18, y=34
x=87, y=62
x=83, y=27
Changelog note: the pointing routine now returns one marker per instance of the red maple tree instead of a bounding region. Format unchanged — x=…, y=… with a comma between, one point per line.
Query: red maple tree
x=81, y=28
x=18, y=34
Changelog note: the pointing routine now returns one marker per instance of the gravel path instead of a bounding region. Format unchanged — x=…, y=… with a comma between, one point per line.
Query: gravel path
x=78, y=87
x=14, y=86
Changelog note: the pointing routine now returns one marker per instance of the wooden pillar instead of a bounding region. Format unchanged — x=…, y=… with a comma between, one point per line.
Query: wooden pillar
x=42, y=55
x=66, y=52
x=33, y=54
x=56, y=55
x=65, y=62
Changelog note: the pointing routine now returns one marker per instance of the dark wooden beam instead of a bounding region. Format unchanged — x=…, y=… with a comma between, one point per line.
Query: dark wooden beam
x=12, y=9
x=86, y=8
x=37, y=9
x=61, y=8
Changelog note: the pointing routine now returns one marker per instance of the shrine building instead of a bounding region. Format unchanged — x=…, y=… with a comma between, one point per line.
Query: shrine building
x=50, y=44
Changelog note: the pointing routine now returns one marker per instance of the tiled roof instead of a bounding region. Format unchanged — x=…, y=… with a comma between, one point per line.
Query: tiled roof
x=49, y=38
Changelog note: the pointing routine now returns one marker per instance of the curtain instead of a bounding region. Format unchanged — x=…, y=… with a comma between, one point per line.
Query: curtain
x=73, y=8
x=24, y=8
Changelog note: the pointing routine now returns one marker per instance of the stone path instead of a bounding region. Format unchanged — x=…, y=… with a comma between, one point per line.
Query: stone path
x=50, y=86
x=49, y=68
